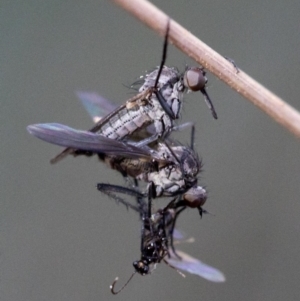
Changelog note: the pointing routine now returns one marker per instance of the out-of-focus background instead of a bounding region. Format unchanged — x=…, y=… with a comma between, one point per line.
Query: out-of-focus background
x=60, y=238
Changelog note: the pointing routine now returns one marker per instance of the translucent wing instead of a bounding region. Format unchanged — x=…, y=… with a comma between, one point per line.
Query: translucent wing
x=178, y=235
x=96, y=105
x=63, y=135
x=195, y=266
x=99, y=107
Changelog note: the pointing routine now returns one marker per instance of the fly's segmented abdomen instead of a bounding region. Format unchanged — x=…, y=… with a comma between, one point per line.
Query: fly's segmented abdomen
x=125, y=122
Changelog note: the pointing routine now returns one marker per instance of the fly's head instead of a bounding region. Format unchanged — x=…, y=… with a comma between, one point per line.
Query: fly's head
x=194, y=79
x=195, y=197
x=141, y=267
x=152, y=253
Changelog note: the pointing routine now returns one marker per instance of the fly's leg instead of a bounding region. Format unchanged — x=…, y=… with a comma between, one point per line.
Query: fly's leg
x=172, y=205
x=139, y=199
x=156, y=137
x=164, y=104
x=179, y=272
x=145, y=141
x=183, y=126
x=111, y=191
x=158, y=94
x=193, y=137
x=151, y=195
x=172, y=230
x=143, y=231
x=164, y=54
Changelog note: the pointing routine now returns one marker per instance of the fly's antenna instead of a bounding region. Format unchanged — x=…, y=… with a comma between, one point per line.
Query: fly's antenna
x=165, y=48
x=112, y=286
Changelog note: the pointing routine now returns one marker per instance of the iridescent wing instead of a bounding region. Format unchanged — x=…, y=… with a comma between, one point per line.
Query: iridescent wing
x=194, y=266
x=63, y=135
x=96, y=105
x=99, y=107
x=102, y=106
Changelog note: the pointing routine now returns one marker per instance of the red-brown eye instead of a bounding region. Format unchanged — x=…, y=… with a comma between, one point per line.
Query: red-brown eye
x=195, y=197
x=194, y=79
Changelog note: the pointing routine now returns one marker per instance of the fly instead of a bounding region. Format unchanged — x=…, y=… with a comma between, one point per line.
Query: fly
x=158, y=227
x=157, y=246
x=158, y=102
x=168, y=171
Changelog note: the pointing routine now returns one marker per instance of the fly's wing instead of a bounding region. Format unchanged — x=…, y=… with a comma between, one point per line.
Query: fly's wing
x=92, y=101
x=96, y=105
x=98, y=125
x=178, y=235
x=63, y=135
x=194, y=266
x=99, y=107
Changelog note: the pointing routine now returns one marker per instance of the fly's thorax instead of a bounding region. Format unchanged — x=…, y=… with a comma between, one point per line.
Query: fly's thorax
x=172, y=94
x=185, y=159
x=168, y=186
x=167, y=74
x=189, y=162
x=154, y=244
x=172, y=173
x=154, y=110
x=170, y=85
x=165, y=183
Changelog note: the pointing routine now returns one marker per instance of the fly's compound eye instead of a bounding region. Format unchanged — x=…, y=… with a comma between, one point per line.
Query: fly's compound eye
x=194, y=79
x=196, y=196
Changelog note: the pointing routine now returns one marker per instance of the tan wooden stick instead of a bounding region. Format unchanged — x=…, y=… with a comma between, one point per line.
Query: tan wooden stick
x=274, y=106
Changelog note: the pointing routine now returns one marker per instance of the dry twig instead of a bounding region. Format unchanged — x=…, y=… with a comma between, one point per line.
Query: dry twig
x=274, y=106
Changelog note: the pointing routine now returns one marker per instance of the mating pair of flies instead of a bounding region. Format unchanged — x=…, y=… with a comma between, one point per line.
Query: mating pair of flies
x=134, y=139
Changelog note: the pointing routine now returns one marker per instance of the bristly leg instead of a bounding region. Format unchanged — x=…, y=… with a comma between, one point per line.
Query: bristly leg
x=111, y=191
x=164, y=56
x=158, y=94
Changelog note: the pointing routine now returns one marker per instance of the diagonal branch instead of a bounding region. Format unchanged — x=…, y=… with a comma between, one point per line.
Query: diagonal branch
x=271, y=104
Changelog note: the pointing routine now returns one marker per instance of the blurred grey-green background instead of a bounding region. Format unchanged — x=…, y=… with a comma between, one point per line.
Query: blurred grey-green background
x=60, y=239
